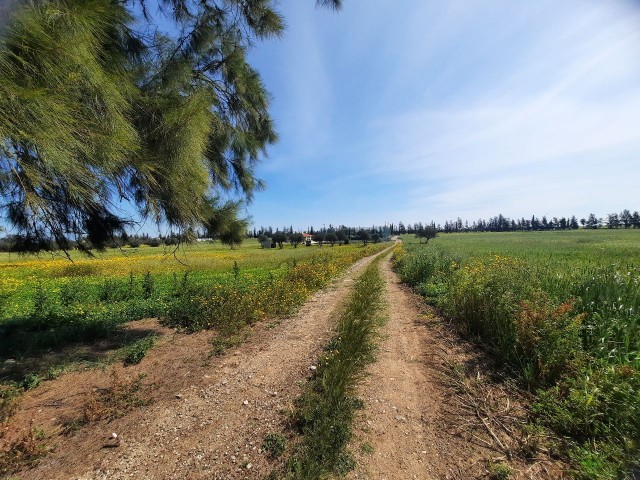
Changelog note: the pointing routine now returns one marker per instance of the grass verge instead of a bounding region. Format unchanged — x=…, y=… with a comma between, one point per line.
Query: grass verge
x=324, y=412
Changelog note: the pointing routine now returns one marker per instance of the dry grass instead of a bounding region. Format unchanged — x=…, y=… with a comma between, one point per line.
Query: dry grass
x=495, y=416
x=24, y=451
x=121, y=397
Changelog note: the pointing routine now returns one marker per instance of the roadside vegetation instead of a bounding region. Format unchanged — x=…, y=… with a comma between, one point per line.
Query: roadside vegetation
x=561, y=312
x=50, y=303
x=324, y=413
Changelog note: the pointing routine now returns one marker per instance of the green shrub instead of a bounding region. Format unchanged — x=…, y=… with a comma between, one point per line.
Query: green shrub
x=30, y=381
x=500, y=471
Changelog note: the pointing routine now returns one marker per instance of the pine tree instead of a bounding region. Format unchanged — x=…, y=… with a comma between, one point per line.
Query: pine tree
x=97, y=108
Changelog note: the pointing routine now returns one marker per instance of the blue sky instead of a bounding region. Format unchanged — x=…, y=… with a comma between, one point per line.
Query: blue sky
x=415, y=110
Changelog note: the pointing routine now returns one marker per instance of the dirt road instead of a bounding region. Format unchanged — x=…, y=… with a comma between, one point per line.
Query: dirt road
x=209, y=415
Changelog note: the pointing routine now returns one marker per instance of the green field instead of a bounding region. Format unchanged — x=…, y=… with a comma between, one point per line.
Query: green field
x=49, y=303
x=561, y=312
x=204, y=263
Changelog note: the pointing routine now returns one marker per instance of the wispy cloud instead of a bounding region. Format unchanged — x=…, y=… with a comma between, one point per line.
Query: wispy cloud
x=449, y=109
x=530, y=142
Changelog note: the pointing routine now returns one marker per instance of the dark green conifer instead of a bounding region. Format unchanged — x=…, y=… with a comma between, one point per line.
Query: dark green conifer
x=99, y=105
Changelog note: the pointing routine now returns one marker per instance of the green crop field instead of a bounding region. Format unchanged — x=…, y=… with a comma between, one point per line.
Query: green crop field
x=561, y=312
x=89, y=278
x=49, y=303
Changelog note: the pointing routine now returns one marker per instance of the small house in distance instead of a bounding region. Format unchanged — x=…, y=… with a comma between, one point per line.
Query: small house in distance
x=307, y=239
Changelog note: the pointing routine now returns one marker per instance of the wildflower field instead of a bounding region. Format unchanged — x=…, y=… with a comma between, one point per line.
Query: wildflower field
x=48, y=303
x=561, y=313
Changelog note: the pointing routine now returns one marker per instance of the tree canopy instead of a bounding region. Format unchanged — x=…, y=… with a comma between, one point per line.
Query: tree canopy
x=100, y=107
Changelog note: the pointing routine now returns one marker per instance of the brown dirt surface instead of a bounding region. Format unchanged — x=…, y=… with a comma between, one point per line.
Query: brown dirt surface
x=206, y=416
x=430, y=411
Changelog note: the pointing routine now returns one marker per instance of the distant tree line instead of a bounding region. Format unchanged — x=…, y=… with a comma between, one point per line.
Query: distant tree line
x=500, y=223
x=340, y=235
x=14, y=243
x=229, y=230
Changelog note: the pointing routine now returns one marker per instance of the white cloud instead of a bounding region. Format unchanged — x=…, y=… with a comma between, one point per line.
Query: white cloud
x=460, y=108
x=544, y=138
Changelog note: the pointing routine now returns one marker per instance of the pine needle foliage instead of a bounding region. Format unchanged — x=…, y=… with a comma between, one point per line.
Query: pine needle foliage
x=111, y=101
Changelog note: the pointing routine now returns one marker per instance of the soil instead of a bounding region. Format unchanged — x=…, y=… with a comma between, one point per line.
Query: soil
x=207, y=415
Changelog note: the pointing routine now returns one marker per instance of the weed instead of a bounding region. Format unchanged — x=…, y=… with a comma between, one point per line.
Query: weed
x=53, y=372
x=72, y=426
x=225, y=340
x=344, y=464
x=71, y=293
x=30, y=381
x=147, y=285
x=9, y=397
x=367, y=449
x=236, y=270
x=24, y=451
x=134, y=353
x=116, y=400
x=500, y=471
x=274, y=445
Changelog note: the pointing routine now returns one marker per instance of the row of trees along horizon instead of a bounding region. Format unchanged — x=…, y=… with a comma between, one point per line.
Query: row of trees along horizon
x=500, y=223
x=343, y=234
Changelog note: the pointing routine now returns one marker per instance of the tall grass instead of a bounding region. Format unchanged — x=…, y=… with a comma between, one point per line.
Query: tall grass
x=563, y=316
x=325, y=411
x=228, y=307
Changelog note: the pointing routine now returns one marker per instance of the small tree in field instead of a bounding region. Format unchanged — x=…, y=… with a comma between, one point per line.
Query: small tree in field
x=318, y=237
x=261, y=239
x=280, y=237
x=427, y=233
x=365, y=236
x=332, y=238
x=295, y=239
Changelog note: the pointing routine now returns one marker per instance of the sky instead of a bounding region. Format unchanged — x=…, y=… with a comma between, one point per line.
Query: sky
x=420, y=110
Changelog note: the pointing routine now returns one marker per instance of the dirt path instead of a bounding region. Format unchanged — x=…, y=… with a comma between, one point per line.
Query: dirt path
x=412, y=426
x=209, y=415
